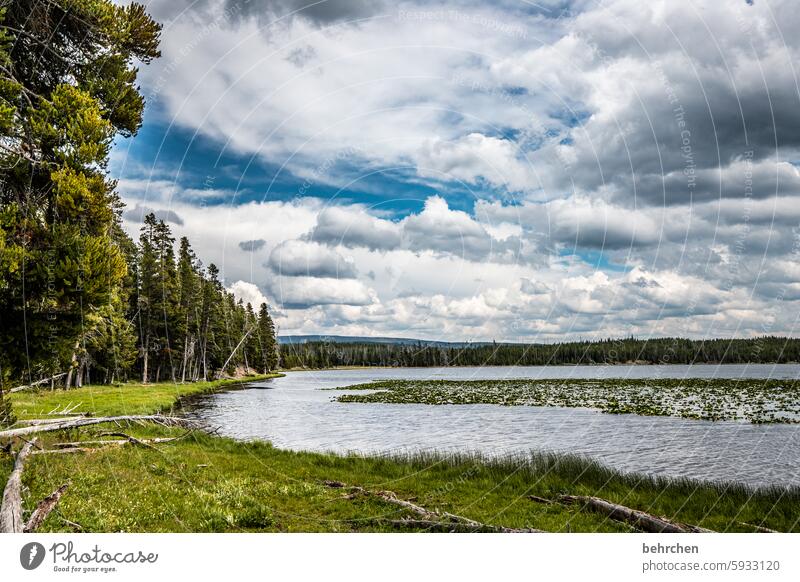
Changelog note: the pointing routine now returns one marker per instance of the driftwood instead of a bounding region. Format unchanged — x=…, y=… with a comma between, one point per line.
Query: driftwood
x=37, y=383
x=78, y=422
x=538, y=499
x=435, y=519
x=43, y=509
x=11, y=508
x=639, y=519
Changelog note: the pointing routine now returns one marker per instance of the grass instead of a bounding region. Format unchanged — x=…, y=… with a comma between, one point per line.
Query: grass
x=204, y=483
x=753, y=400
x=129, y=398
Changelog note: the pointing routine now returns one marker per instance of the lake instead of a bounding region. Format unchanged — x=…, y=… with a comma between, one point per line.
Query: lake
x=295, y=412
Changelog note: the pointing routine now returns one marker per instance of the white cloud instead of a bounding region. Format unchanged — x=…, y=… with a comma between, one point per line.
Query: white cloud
x=354, y=227
x=301, y=258
x=475, y=156
x=248, y=293
x=302, y=292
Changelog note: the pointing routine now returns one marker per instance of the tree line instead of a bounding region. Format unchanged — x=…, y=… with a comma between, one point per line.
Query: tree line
x=171, y=319
x=80, y=300
x=610, y=351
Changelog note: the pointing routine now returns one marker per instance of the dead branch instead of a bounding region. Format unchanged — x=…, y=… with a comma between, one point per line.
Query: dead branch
x=71, y=445
x=132, y=439
x=639, y=519
x=11, y=508
x=43, y=509
x=79, y=422
x=758, y=528
x=37, y=383
x=441, y=518
x=452, y=527
x=41, y=421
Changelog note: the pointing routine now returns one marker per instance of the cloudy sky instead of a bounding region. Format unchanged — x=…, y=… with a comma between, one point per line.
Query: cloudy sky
x=471, y=171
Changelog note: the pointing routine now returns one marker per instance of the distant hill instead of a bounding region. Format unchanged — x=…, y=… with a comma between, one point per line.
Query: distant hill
x=352, y=339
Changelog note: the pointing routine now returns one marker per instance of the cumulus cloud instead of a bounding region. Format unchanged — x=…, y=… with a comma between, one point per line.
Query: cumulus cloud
x=474, y=156
x=355, y=228
x=309, y=259
x=248, y=293
x=442, y=229
x=303, y=292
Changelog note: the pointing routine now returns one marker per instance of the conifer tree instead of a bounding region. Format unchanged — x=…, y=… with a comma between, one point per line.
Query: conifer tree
x=268, y=340
x=67, y=88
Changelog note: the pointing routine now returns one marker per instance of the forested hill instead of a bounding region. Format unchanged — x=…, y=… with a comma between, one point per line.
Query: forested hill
x=653, y=351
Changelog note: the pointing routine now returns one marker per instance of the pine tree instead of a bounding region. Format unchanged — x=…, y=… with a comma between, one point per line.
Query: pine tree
x=147, y=294
x=67, y=88
x=165, y=305
x=268, y=340
x=188, y=306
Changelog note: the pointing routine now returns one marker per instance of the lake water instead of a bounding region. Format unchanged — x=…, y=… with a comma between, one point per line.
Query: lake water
x=295, y=413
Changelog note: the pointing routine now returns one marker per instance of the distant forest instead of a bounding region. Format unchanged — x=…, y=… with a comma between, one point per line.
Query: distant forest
x=611, y=351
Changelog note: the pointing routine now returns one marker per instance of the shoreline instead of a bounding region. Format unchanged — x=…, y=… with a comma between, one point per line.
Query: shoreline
x=592, y=365
x=210, y=483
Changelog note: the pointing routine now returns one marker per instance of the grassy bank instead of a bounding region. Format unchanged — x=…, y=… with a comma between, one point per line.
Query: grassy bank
x=129, y=398
x=754, y=400
x=206, y=483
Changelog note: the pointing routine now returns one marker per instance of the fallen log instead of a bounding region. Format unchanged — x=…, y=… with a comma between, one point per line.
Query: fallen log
x=76, y=447
x=639, y=519
x=442, y=518
x=44, y=508
x=120, y=442
x=11, y=507
x=37, y=383
x=131, y=439
x=451, y=527
x=79, y=422
x=40, y=421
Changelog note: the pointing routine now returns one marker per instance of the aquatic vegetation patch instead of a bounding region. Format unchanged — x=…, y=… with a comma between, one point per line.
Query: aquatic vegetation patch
x=752, y=400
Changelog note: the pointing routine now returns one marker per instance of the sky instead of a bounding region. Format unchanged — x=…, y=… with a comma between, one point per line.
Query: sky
x=472, y=171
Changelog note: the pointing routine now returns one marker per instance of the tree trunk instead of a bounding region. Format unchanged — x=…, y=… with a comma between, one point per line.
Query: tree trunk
x=11, y=508
x=51, y=379
x=144, y=363
x=79, y=375
x=43, y=509
x=225, y=365
x=638, y=519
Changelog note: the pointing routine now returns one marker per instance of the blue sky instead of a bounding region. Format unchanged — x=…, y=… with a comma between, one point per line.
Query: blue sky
x=470, y=171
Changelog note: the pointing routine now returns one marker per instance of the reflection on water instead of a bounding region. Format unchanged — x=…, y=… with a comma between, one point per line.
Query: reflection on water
x=294, y=413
